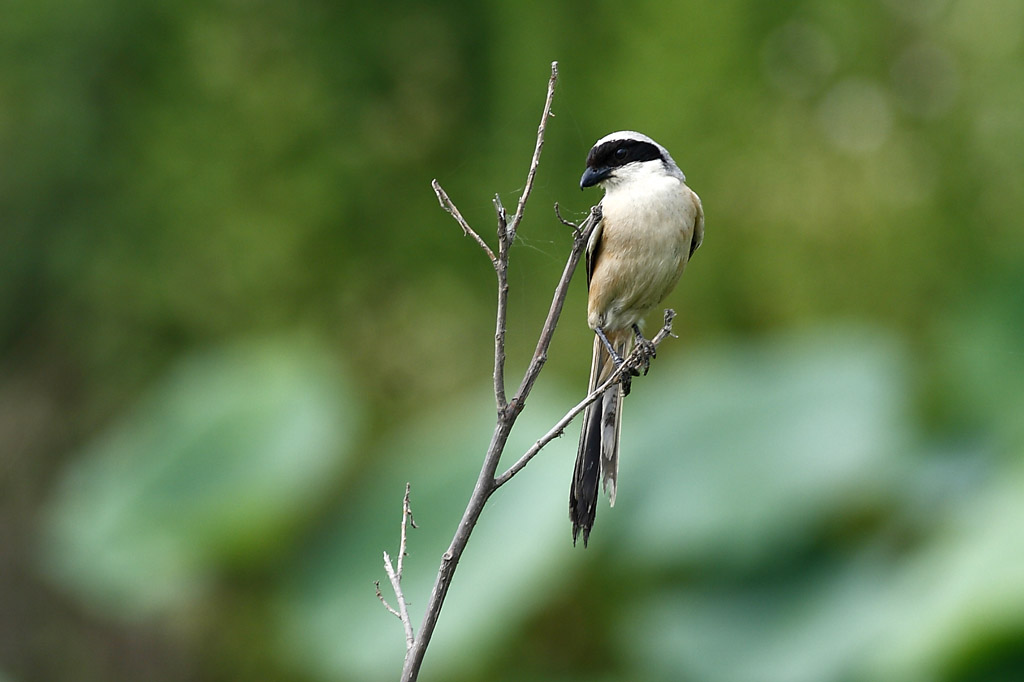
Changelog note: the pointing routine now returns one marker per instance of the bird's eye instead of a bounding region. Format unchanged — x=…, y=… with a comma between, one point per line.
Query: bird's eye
x=621, y=153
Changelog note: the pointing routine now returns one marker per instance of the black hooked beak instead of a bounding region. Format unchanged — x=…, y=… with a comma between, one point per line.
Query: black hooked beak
x=592, y=176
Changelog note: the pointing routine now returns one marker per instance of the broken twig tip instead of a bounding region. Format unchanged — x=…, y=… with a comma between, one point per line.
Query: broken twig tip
x=568, y=223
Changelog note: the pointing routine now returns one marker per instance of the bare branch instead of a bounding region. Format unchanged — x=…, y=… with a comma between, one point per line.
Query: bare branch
x=508, y=411
x=502, y=214
x=540, y=355
x=406, y=520
x=501, y=317
x=518, y=217
x=666, y=330
x=631, y=363
x=562, y=220
x=448, y=205
x=506, y=235
x=376, y=583
x=403, y=608
x=395, y=575
x=485, y=484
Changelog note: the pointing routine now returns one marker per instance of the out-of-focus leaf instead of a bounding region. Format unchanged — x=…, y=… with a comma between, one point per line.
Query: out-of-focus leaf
x=331, y=620
x=788, y=436
x=732, y=454
x=218, y=461
x=872, y=618
x=813, y=630
x=962, y=592
x=983, y=359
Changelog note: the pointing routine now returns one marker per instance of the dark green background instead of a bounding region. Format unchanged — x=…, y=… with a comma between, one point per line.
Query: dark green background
x=234, y=322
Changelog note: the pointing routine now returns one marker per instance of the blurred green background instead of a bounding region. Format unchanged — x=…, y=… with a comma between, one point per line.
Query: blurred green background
x=234, y=322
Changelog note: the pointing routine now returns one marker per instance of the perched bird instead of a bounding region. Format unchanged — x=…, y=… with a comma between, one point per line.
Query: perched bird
x=650, y=225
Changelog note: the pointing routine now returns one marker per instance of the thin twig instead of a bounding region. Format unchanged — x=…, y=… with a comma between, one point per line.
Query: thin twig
x=518, y=217
x=506, y=235
x=406, y=521
x=558, y=213
x=448, y=205
x=631, y=362
x=507, y=414
x=403, y=608
x=376, y=583
x=502, y=214
x=540, y=355
x=485, y=484
x=395, y=574
x=501, y=317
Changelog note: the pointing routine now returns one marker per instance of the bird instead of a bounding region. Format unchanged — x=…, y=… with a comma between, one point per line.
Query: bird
x=649, y=224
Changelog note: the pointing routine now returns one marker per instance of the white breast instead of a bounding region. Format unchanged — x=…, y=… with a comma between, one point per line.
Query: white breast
x=645, y=242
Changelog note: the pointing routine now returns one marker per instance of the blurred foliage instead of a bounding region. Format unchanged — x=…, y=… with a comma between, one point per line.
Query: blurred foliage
x=234, y=323
x=212, y=469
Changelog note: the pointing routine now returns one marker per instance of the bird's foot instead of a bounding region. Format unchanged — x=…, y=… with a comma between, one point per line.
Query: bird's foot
x=645, y=351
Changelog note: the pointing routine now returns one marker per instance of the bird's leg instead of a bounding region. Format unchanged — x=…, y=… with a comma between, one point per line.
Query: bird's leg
x=627, y=377
x=647, y=350
x=616, y=358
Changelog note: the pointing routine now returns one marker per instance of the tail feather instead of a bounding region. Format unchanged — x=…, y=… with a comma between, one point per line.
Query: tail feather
x=583, y=493
x=599, y=441
x=611, y=420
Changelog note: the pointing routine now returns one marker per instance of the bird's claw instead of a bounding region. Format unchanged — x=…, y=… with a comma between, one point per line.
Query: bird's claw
x=646, y=351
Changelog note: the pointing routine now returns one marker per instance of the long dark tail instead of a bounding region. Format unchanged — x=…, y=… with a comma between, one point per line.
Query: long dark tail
x=599, y=441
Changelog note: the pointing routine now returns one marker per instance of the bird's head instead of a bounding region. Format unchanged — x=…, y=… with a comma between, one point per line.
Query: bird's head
x=622, y=158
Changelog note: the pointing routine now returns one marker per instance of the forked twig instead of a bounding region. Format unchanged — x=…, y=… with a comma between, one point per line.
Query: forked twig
x=389, y=607
x=395, y=574
x=631, y=363
x=558, y=214
x=521, y=207
x=448, y=205
x=507, y=410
